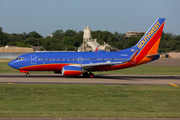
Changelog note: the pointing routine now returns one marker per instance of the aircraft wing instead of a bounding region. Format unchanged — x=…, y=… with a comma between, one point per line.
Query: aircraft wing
x=109, y=63
x=102, y=63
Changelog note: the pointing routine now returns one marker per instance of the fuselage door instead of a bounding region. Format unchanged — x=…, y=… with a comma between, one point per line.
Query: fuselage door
x=80, y=59
x=33, y=59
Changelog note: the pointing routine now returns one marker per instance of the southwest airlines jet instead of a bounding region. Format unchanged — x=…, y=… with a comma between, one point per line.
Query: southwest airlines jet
x=84, y=63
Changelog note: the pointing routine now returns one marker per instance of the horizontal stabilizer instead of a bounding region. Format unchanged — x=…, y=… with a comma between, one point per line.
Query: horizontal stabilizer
x=153, y=55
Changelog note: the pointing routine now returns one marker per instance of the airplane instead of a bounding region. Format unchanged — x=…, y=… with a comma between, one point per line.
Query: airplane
x=84, y=63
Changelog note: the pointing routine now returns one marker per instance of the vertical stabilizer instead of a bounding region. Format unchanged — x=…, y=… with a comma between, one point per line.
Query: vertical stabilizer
x=150, y=41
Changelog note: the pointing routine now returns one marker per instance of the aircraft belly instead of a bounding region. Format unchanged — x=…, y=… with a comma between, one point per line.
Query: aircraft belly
x=44, y=67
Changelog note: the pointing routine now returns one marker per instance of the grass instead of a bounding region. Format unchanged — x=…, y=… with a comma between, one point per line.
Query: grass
x=92, y=100
x=89, y=101
x=147, y=70
x=140, y=70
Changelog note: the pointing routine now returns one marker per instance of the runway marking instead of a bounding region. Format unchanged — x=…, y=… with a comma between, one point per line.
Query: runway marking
x=173, y=84
x=9, y=83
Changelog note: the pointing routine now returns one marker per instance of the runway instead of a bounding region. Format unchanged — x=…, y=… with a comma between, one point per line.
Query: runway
x=162, y=80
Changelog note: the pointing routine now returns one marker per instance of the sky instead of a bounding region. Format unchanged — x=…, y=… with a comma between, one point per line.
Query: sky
x=47, y=16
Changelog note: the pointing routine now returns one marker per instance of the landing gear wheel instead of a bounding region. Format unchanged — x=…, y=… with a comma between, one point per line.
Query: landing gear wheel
x=91, y=75
x=27, y=75
x=85, y=75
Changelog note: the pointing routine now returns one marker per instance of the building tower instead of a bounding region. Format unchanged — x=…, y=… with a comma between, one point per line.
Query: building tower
x=86, y=36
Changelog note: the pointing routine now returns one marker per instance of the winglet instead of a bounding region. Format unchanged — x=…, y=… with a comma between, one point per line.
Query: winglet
x=133, y=56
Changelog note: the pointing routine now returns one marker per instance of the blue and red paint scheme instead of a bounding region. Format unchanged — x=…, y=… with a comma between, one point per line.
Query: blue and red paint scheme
x=84, y=63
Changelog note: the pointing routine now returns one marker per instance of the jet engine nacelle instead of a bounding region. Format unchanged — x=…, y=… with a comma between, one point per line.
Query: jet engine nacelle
x=71, y=71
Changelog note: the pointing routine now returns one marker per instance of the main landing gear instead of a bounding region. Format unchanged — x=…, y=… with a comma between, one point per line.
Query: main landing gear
x=88, y=75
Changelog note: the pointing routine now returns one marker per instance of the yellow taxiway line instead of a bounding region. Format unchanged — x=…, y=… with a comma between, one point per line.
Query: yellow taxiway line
x=173, y=84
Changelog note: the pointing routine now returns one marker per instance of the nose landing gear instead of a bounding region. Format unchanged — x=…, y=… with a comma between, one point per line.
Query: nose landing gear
x=27, y=72
x=27, y=75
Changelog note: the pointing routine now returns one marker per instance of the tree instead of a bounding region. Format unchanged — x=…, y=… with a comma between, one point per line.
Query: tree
x=177, y=38
x=1, y=36
x=34, y=34
x=57, y=33
x=68, y=41
x=33, y=41
x=119, y=40
x=78, y=37
x=71, y=48
x=70, y=33
x=24, y=45
x=131, y=41
x=52, y=44
x=103, y=36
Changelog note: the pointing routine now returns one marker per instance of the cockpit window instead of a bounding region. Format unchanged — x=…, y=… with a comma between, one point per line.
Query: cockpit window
x=19, y=58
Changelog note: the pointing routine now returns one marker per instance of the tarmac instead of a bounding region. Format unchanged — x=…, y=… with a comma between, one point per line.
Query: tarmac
x=162, y=80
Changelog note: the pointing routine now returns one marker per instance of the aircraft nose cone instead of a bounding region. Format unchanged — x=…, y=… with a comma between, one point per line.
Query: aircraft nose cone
x=12, y=64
